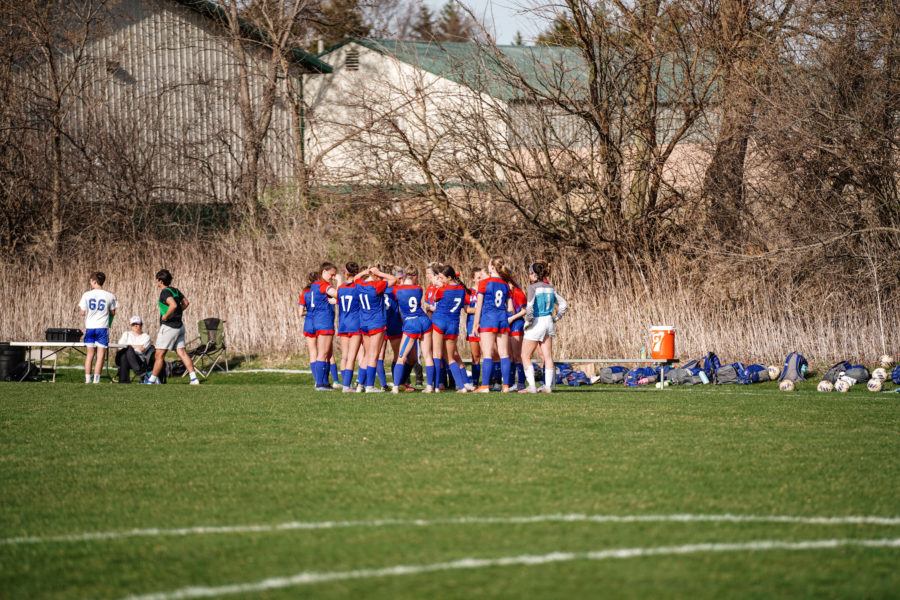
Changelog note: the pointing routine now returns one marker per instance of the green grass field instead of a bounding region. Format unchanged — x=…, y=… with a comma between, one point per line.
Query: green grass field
x=256, y=486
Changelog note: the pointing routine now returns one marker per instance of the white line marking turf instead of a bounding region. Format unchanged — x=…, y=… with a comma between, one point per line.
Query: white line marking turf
x=313, y=577
x=522, y=520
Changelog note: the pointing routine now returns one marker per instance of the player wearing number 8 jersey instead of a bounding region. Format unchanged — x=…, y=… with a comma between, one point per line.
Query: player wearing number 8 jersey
x=492, y=321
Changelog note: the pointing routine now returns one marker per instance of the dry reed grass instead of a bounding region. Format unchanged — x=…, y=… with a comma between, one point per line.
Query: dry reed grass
x=253, y=283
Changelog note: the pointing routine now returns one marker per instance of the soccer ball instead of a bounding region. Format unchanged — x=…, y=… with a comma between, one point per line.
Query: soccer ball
x=825, y=386
x=879, y=374
x=786, y=386
x=842, y=385
x=886, y=360
x=874, y=385
x=774, y=372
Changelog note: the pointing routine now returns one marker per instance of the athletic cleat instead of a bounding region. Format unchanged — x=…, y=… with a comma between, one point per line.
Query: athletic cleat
x=470, y=387
x=528, y=390
x=195, y=382
x=374, y=390
x=323, y=388
x=545, y=390
x=150, y=382
x=483, y=389
x=360, y=388
x=506, y=389
x=462, y=391
x=407, y=388
x=337, y=386
x=396, y=389
x=496, y=387
x=428, y=389
x=348, y=390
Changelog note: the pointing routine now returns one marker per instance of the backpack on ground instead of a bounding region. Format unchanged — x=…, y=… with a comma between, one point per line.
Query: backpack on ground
x=576, y=378
x=895, y=375
x=681, y=376
x=562, y=371
x=641, y=376
x=710, y=364
x=25, y=371
x=859, y=373
x=753, y=374
x=794, y=368
x=613, y=375
x=728, y=374
x=693, y=366
x=832, y=374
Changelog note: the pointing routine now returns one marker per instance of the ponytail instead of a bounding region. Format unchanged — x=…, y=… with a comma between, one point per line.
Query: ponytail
x=541, y=269
x=500, y=266
x=352, y=268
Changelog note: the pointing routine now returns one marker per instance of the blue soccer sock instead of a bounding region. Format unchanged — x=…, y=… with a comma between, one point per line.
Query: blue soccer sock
x=438, y=372
x=506, y=370
x=382, y=376
x=520, y=371
x=487, y=369
x=399, y=369
x=316, y=372
x=458, y=375
x=334, y=372
x=429, y=375
x=347, y=377
x=370, y=376
x=476, y=373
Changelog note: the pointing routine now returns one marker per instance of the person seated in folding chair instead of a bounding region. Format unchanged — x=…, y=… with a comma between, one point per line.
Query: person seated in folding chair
x=137, y=356
x=211, y=350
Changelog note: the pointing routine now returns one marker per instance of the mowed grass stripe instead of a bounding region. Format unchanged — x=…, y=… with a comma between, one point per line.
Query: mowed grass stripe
x=311, y=578
x=521, y=520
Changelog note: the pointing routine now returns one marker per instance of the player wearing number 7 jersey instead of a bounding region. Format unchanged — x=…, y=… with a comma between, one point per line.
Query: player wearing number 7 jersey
x=449, y=299
x=97, y=307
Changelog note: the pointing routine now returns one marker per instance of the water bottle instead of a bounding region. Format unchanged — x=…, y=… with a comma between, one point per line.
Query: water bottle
x=703, y=378
x=643, y=352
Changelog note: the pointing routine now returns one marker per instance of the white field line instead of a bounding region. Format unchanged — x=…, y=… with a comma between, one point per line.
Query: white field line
x=522, y=520
x=313, y=577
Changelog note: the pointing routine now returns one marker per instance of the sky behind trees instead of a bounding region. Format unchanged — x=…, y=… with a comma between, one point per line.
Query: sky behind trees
x=502, y=18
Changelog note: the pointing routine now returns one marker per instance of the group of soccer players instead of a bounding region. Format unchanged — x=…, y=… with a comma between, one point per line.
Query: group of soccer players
x=377, y=307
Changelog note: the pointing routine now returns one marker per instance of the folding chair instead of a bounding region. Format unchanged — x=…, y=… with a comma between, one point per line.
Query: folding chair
x=212, y=349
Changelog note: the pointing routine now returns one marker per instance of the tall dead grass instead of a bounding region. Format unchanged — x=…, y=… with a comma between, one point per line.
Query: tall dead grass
x=254, y=282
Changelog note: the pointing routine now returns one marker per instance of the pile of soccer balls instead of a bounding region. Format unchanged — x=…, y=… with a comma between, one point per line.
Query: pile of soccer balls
x=844, y=383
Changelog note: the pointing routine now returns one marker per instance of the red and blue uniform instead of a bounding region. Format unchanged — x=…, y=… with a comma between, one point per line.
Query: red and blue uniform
x=471, y=301
x=372, y=318
x=415, y=320
x=449, y=301
x=519, y=300
x=348, y=310
x=495, y=292
x=394, y=320
x=322, y=310
x=308, y=329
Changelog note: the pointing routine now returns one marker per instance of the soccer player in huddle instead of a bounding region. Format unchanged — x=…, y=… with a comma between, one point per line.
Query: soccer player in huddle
x=492, y=321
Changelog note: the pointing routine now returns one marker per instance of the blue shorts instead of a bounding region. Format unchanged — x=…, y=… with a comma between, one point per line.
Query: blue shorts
x=449, y=329
x=497, y=322
x=308, y=329
x=517, y=327
x=97, y=337
x=323, y=323
x=348, y=325
x=394, y=326
x=416, y=327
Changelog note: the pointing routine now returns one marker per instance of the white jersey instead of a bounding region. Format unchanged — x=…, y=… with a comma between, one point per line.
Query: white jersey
x=130, y=339
x=97, y=305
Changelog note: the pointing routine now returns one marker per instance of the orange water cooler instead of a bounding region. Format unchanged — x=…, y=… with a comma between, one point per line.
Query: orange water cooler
x=662, y=342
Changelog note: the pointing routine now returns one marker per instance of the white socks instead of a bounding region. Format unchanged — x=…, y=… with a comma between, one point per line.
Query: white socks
x=549, y=376
x=529, y=375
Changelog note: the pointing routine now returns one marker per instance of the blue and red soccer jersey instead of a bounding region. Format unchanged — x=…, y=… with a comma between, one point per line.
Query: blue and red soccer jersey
x=471, y=302
x=429, y=294
x=449, y=301
x=348, y=310
x=495, y=292
x=308, y=329
x=322, y=310
x=394, y=320
x=372, y=318
x=519, y=300
x=415, y=320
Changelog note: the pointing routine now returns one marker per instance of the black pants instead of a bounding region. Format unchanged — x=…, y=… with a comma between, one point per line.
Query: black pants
x=128, y=360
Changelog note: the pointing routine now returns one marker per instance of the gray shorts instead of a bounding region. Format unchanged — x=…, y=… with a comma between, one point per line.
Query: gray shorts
x=170, y=338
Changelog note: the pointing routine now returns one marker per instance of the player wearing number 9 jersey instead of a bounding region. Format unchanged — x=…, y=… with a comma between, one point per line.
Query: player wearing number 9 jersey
x=415, y=324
